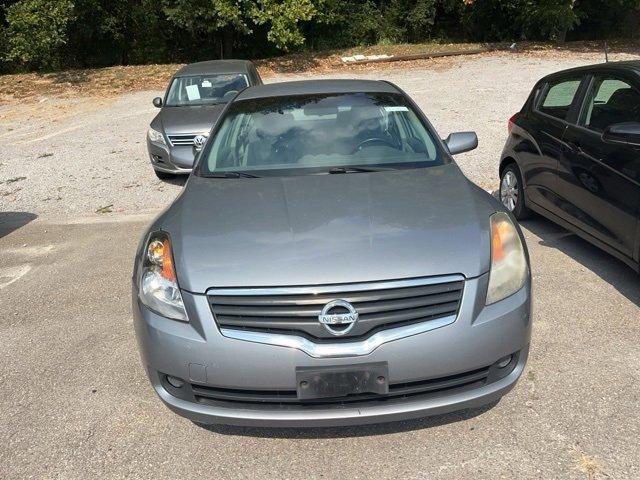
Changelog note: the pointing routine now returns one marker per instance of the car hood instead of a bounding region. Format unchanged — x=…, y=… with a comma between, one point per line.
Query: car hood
x=196, y=119
x=327, y=229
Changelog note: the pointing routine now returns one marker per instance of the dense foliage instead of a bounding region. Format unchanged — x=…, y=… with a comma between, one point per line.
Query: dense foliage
x=49, y=34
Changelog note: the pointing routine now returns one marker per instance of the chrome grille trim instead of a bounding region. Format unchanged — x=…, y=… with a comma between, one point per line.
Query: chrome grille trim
x=337, y=288
x=288, y=316
x=332, y=350
x=182, y=139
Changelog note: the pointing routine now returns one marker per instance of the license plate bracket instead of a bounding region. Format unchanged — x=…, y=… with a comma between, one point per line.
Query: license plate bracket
x=341, y=381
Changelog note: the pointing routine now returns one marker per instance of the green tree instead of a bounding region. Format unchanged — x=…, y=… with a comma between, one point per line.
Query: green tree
x=410, y=20
x=284, y=17
x=221, y=19
x=520, y=19
x=36, y=30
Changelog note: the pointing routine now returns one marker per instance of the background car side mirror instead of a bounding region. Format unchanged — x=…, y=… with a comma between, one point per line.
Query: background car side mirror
x=625, y=133
x=461, y=142
x=157, y=102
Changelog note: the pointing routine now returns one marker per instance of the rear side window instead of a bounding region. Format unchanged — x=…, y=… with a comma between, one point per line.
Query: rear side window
x=559, y=97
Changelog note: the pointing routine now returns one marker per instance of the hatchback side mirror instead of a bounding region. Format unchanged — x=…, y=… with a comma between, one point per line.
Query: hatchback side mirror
x=157, y=102
x=624, y=133
x=461, y=142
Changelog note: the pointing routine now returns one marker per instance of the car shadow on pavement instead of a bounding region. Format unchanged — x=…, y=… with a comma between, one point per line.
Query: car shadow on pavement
x=350, y=431
x=610, y=269
x=178, y=180
x=10, y=221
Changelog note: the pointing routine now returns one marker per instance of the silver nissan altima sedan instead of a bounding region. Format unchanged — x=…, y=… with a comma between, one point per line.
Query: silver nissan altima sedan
x=327, y=263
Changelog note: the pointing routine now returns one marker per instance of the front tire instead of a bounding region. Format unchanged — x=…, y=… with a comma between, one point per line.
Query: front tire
x=512, y=192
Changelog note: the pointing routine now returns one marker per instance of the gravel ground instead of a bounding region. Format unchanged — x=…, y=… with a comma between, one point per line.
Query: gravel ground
x=70, y=157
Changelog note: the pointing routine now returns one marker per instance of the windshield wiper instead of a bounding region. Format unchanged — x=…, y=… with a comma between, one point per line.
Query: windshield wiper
x=232, y=175
x=358, y=169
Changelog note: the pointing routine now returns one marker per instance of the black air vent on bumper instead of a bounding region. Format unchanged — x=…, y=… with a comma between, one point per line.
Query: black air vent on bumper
x=463, y=381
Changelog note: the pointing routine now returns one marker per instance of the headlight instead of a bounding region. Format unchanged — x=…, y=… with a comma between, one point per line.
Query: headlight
x=156, y=137
x=158, y=284
x=509, y=268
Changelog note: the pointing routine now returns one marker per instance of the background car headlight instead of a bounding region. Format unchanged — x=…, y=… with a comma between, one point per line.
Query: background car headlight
x=509, y=268
x=158, y=284
x=156, y=136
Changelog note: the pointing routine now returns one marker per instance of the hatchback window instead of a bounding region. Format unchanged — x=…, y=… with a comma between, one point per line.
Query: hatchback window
x=559, y=98
x=205, y=89
x=610, y=101
x=315, y=133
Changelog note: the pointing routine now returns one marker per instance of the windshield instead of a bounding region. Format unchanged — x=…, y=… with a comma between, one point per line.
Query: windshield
x=315, y=133
x=205, y=89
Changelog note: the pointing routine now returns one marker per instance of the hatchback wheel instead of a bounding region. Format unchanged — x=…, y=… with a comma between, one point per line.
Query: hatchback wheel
x=511, y=192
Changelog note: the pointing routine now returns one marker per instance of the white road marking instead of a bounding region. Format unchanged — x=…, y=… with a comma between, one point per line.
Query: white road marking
x=12, y=274
x=32, y=251
x=77, y=127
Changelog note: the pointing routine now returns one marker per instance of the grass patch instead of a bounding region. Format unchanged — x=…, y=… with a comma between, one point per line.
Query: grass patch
x=105, y=209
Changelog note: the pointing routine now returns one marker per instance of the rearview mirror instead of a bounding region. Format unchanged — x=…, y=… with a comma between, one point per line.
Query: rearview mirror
x=461, y=142
x=157, y=102
x=624, y=133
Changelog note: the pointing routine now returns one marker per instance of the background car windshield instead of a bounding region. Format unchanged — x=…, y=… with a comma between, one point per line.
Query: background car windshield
x=285, y=135
x=205, y=89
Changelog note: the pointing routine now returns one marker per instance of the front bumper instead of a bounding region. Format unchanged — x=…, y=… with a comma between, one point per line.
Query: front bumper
x=171, y=159
x=198, y=353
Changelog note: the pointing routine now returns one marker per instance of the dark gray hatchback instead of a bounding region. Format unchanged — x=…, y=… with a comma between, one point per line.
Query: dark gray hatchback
x=327, y=263
x=196, y=95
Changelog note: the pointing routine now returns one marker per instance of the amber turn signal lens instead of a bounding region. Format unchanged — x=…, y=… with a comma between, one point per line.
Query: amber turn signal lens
x=167, y=263
x=501, y=234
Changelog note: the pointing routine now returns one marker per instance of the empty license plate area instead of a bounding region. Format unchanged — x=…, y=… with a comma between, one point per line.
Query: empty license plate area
x=335, y=382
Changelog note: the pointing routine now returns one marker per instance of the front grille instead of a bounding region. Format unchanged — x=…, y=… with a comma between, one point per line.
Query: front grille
x=284, y=398
x=183, y=139
x=379, y=305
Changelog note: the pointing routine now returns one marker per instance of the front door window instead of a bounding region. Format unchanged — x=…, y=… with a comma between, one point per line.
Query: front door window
x=609, y=102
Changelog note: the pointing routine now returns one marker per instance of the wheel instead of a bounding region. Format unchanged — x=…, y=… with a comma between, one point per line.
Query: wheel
x=163, y=175
x=512, y=193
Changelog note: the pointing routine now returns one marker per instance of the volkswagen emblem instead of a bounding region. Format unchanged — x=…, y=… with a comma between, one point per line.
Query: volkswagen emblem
x=199, y=141
x=338, y=313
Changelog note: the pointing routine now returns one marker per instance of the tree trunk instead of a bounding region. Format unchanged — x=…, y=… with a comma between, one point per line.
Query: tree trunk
x=227, y=43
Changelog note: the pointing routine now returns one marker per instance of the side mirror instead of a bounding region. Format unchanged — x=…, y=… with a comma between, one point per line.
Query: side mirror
x=622, y=133
x=157, y=102
x=461, y=142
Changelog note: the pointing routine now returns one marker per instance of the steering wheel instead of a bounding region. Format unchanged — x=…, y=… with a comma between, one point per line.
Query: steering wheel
x=369, y=142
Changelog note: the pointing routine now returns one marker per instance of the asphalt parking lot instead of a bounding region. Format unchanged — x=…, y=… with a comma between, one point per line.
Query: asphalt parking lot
x=75, y=402
x=74, y=399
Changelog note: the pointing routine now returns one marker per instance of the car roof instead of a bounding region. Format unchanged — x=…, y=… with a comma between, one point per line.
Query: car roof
x=311, y=87
x=214, y=66
x=629, y=65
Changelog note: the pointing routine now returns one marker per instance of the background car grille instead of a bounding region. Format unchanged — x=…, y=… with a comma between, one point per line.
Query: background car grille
x=378, y=307
x=182, y=140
